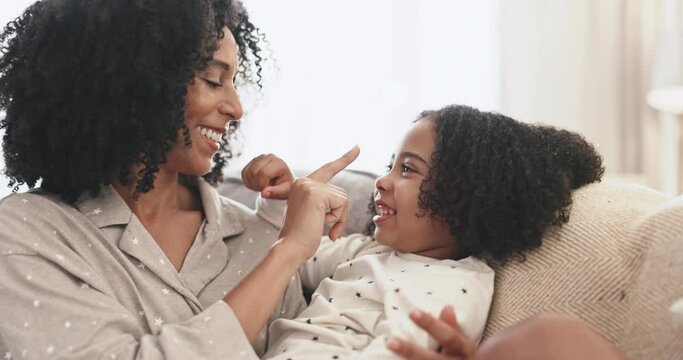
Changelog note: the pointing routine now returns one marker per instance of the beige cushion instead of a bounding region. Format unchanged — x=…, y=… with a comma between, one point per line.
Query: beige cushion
x=585, y=268
x=652, y=331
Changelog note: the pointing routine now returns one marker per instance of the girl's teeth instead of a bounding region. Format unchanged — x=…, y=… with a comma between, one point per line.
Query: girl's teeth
x=385, y=212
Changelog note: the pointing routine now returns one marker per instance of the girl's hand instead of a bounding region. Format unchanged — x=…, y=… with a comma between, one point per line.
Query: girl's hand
x=270, y=175
x=445, y=329
x=313, y=203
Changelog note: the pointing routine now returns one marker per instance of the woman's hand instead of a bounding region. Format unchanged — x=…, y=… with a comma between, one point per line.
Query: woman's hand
x=445, y=329
x=269, y=175
x=313, y=203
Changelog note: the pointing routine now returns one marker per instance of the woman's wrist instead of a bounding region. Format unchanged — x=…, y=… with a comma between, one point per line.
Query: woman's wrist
x=290, y=253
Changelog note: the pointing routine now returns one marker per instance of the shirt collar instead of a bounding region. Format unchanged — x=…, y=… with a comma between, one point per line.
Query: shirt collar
x=108, y=209
x=220, y=215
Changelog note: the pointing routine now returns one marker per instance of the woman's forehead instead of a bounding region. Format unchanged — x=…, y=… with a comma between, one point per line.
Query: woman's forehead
x=227, y=49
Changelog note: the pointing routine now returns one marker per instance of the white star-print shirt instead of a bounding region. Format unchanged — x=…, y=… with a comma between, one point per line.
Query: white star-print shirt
x=89, y=282
x=364, y=293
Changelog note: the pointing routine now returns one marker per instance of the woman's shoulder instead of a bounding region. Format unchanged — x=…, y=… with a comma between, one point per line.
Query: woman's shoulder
x=29, y=200
x=29, y=218
x=34, y=205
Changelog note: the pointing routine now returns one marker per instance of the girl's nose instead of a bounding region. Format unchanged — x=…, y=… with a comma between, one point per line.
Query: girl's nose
x=383, y=183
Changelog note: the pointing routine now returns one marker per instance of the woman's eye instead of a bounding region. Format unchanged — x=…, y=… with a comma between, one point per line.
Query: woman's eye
x=389, y=167
x=212, y=84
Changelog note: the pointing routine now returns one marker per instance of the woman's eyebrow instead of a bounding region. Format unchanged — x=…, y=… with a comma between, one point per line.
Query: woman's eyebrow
x=222, y=64
x=409, y=154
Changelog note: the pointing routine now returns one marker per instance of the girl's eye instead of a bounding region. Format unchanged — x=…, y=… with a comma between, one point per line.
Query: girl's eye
x=389, y=167
x=405, y=169
x=212, y=84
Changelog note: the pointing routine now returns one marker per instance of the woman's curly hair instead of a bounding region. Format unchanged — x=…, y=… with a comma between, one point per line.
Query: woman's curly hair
x=499, y=183
x=95, y=88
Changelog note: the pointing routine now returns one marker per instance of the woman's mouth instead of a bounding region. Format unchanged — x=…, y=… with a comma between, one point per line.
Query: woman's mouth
x=212, y=137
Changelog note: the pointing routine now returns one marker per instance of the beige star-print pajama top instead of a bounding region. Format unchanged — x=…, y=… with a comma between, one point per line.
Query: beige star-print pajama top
x=89, y=282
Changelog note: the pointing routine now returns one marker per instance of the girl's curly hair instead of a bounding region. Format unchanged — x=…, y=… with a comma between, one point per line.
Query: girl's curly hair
x=93, y=88
x=499, y=183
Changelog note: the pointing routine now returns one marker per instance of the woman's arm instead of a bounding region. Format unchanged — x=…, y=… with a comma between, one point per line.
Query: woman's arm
x=312, y=203
x=254, y=299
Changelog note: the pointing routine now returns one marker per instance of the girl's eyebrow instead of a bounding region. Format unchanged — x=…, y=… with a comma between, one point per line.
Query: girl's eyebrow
x=409, y=154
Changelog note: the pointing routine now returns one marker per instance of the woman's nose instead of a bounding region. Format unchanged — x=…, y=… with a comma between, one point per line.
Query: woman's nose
x=231, y=105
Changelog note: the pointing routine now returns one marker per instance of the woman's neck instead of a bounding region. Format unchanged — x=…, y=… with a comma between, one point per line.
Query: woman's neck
x=168, y=194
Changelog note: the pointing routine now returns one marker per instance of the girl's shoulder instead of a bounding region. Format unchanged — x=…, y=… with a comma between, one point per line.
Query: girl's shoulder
x=363, y=245
x=471, y=263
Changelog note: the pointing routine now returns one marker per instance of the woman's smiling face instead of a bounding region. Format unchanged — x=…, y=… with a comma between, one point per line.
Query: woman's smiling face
x=398, y=223
x=211, y=102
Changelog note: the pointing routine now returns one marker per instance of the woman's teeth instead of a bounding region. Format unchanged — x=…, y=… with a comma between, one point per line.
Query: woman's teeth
x=210, y=134
x=383, y=211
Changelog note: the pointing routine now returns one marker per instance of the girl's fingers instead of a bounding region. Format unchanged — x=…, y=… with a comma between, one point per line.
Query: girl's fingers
x=280, y=191
x=248, y=177
x=448, y=316
x=264, y=172
x=410, y=351
x=451, y=339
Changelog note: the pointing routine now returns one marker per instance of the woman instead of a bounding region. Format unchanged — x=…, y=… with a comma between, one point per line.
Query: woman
x=125, y=251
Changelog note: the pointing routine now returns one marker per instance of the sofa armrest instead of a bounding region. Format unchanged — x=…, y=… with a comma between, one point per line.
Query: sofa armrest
x=651, y=330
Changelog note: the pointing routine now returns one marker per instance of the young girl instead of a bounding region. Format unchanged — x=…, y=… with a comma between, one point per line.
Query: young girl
x=465, y=186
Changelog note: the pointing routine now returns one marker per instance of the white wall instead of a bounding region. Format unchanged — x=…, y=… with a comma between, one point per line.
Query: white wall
x=358, y=72
x=580, y=65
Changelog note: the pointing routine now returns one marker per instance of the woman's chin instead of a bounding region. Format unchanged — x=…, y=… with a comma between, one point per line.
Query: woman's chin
x=197, y=171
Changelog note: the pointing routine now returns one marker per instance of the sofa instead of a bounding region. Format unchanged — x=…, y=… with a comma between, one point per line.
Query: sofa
x=617, y=264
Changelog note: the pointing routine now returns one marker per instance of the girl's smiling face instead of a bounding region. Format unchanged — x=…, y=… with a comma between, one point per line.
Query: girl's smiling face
x=398, y=223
